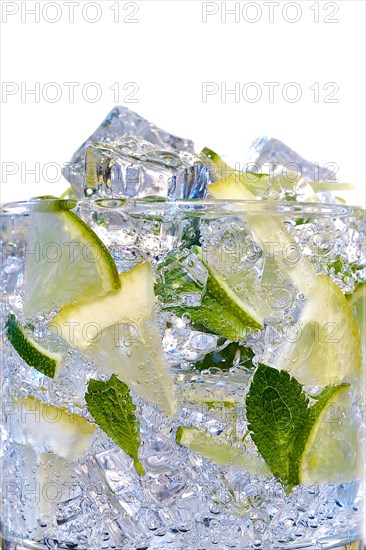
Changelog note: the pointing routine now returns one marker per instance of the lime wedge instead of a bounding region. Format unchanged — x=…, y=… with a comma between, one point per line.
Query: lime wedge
x=230, y=188
x=65, y=260
x=221, y=452
x=82, y=323
x=271, y=235
x=211, y=315
x=119, y=332
x=33, y=353
x=257, y=183
x=357, y=303
x=209, y=397
x=46, y=428
x=138, y=360
x=323, y=348
x=57, y=437
x=331, y=452
x=68, y=194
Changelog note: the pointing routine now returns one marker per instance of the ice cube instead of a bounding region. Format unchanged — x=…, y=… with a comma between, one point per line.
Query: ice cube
x=288, y=185
x=136, y=509
x=164, y=489
x=272, y=152
x=336, y=246
x=159, y=455
x=133, y=167
x=103, y=477
x=133, y=233
x=196, y=270
x=121, y=121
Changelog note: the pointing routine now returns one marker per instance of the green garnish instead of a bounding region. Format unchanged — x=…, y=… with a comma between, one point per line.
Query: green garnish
x=276, y=411
x=224, y=292
x=33, y=353
x=210, y=315
x=252, y=180
x=219, y=451
x=311, y=428
x=226, y=357
x=281, y=420
x=112, y=408
x=79, y=267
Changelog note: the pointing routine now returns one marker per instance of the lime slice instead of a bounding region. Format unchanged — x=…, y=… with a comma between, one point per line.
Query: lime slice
x=221, y=452
x=33, y=353
x=230, y=188
x=282, y=251
x=68, y=194
x=331, y=452
x=357, y=303
x=82, y=323
x=137, y=358
x=65, y=260
x=119, y=332
x=257, y=183
x=57, y=437
x=211, y=315
x=246, y=304
x=46, y=428
x=209, y=397
x=323, y=348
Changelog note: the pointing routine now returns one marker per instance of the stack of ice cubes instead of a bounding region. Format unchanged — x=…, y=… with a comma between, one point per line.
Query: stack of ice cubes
x=127, y=156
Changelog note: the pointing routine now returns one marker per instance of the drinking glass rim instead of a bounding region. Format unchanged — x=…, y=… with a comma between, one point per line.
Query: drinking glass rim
x=189, y=206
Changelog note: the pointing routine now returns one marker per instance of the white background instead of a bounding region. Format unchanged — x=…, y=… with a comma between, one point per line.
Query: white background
x=168, y=52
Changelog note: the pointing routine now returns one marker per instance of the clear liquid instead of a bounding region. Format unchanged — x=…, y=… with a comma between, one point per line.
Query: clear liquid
x=184, y=500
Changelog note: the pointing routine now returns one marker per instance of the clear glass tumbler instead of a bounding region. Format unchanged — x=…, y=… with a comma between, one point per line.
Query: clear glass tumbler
x=182, y=374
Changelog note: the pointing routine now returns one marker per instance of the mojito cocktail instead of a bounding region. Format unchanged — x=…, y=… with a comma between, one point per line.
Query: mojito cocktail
x=182, y=373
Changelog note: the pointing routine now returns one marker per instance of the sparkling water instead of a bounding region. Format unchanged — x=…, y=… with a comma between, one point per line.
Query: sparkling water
x=184, y=500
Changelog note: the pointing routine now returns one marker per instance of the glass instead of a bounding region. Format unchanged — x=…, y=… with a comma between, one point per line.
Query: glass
x=227, y=451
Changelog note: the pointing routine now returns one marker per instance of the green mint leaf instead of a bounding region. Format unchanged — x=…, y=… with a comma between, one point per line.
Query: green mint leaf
x=225, y=357
x=277, y=410
x=112, y=408
x=210, y=315
x=345, y=271
x=191, y=233
x=281, y=420
x=174, y=281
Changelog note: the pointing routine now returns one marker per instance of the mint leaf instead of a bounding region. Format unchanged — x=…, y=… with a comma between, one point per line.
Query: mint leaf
x=112, y=408
x=209, y=315
x=277, y=410
x=225, y=357
x=173, y=281
x=212, y=316
x=191, y=233
x=345, y=270
x=281, y=420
